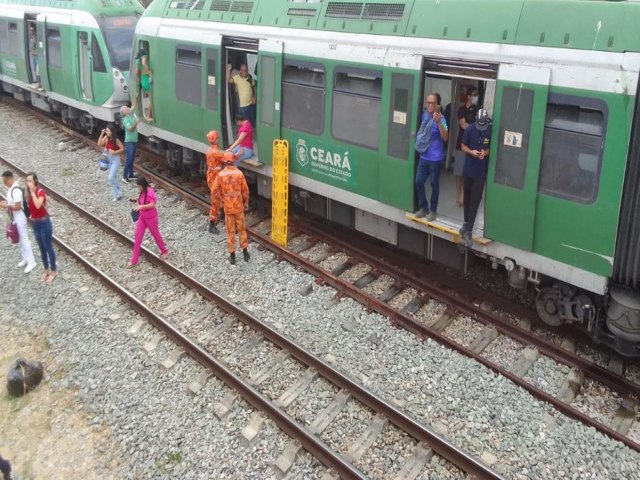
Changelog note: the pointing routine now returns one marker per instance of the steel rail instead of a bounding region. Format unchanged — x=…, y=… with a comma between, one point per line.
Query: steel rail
x=440, y=445
x=410, y=324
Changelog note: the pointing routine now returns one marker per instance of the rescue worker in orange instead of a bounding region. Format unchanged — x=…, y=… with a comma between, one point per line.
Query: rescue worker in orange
x=230, y=189
x=214, y=167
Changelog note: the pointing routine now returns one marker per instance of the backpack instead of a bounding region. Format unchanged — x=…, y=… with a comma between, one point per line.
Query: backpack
x=25, y=203
x=423, y=137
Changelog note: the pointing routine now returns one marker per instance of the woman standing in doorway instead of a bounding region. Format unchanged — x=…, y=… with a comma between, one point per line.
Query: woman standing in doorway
x=42, y=227
x=114, y=148
x=146, y=205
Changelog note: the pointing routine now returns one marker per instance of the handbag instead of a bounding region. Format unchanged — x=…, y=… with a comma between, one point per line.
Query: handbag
x=12, y=232
x=103, y=161
x=135, y=215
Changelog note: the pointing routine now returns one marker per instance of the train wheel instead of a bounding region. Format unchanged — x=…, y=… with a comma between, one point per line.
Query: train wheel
x=548, y=307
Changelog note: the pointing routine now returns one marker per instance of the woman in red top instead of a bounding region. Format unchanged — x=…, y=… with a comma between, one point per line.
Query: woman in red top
x=114, y=148
x=42, y=227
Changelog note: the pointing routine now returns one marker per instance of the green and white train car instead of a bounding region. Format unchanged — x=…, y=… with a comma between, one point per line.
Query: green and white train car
x=68, y=56
x=344, y=82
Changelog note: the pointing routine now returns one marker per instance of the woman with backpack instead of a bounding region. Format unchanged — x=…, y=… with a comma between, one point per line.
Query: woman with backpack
x=42, y=227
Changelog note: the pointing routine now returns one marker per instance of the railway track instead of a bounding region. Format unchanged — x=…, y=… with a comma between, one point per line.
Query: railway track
x=402, y=294
x=232, y=344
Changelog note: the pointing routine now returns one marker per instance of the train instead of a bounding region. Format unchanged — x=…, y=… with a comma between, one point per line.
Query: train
x=67, y=57
x=344, y=82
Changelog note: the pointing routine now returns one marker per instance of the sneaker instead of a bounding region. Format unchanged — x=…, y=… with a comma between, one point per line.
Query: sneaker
x=420, y=213
x=245, y=255
x=463, y=230
x=232, y=258
x=125, y=180
x=213, y=228
x=30, y=267
x=23, y=263
x=468, y=240
x=432, y=216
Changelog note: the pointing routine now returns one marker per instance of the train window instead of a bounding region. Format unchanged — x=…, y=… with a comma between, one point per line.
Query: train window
x=357, y=95
x=54, y=55
x=303, y=97
x=515, y=116
x=14, y=45
x=189, y=74
x=4, y=32
x=572, y=150
x=267, y=93
x=98, y=59
x=118, y=35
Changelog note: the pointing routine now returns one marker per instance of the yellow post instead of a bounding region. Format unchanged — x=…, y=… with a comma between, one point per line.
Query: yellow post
x=280, y=192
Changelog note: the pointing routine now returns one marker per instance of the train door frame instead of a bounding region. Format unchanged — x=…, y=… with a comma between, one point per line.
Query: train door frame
x=269, y=115
x=85, y=64
x=43, y=68
x=30, y=20
x=214, y=75
x=246, y=46
x=513, y=205
x=457, y=72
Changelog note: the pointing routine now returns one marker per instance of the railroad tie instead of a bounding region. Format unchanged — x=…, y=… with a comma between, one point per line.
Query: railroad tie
x=412, y=468
x=269, y=369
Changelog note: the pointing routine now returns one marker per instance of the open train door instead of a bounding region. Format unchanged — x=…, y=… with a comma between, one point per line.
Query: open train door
x=269, y=96
x=41, y=23
x=514, y=168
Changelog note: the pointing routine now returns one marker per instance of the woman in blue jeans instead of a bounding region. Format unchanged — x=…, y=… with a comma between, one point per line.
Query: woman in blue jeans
x=42, y=228
x=114, y=148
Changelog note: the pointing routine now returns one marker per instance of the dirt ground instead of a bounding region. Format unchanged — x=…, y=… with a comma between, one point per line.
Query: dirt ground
x=45, y=434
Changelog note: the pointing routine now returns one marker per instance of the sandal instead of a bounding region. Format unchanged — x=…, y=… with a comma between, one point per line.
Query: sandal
x=43, y=277
x=163, y=256
x=131, y=265
x=51, y=277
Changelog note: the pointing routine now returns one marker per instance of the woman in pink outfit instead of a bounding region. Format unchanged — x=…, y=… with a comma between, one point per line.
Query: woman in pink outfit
x=146, y=205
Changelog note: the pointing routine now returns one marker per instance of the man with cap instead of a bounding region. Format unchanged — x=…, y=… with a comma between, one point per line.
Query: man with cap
x=230, y=189
x=214, y=167
x=475, y=144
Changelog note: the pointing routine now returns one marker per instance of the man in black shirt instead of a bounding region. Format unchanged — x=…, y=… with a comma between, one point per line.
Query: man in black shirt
x=466, y=116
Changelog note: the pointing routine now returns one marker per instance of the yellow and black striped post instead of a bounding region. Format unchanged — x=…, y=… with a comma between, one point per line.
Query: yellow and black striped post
x=280, y=192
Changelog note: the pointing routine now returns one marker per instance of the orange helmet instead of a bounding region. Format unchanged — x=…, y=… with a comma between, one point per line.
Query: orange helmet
x=228, y=157
x=212, y=136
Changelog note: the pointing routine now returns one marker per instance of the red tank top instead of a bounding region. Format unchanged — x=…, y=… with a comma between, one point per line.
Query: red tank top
x=111, y=144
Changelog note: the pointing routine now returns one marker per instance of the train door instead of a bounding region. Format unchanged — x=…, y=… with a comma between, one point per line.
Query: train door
x=84, y=64
x=31, y=34
x=514, y=168
x=451, y=81
x=41, y=32
x=237, y=52
x=211, y=70
x=270, y=95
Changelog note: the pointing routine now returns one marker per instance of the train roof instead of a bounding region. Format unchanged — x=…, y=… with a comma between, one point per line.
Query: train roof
x=605, y=25
x=95, y=7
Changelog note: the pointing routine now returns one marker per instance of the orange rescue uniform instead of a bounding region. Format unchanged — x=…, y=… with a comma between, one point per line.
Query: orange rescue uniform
x=214, y=167
x=230, y=189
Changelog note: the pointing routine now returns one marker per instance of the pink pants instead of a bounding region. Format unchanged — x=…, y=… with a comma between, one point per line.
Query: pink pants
x=144, y=222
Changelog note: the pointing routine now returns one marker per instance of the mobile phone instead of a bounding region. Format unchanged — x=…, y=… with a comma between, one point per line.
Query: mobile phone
x=439, y=108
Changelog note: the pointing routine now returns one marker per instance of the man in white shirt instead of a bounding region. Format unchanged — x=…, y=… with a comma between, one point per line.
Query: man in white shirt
x=14, y=203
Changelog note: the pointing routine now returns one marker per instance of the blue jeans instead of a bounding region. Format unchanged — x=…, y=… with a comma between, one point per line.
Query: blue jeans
x=114, y=163
x=43, y=231
x=130, y=155
x=249, y=113
x=247, y=153
x=426, y=170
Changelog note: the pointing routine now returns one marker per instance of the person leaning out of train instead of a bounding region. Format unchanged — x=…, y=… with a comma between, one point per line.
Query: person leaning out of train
x=214, y=167
x=42, y=227
x=231, y=191
x=242, y=148
x=148, y=218
x=130, y=125
x=114, y=148
x=13, y=204
x=432, y=135
x=476, y=142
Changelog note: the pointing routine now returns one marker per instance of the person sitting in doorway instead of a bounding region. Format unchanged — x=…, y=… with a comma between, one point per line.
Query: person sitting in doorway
x=246, y=87
x=242, y=148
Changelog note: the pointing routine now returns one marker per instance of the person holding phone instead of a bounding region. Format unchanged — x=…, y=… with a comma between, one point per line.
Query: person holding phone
x=114, y=149
x=431, y=159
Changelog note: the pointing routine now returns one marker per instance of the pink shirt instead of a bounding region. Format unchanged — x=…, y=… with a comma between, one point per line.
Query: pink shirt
x=248, y=140
x=145, y=198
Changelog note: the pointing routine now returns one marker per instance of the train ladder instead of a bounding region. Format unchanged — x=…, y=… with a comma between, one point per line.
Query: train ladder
x=280, y=192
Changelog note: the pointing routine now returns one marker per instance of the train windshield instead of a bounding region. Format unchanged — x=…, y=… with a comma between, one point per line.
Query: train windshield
x=118, y=32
